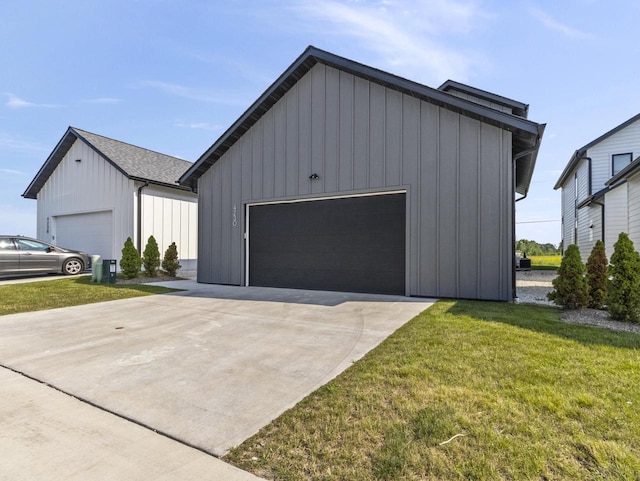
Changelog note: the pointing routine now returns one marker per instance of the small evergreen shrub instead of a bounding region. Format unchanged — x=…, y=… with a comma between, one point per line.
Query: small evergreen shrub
x=151, y=257
x=570, y=287
x=597, y=278
x=130, y=261
x=170, y=262
x=623, y=299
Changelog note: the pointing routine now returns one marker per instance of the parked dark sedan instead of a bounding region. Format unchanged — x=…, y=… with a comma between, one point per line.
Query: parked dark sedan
x=23, y=255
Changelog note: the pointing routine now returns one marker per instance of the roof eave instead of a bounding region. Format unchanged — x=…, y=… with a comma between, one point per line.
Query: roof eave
x=31, y=192
x=582, y=151
x=519, y=126
x=520, y=108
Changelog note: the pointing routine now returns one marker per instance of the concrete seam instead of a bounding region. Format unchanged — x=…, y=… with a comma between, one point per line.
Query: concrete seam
x=121, y=416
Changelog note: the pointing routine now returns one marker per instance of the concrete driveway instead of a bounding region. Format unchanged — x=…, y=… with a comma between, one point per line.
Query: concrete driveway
x=209, y=366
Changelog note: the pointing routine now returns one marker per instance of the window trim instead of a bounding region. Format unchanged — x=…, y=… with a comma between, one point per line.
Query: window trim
x=630, y=154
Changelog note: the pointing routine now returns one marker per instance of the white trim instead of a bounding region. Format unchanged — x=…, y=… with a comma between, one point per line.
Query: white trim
x=246, y=246
x=329, y=197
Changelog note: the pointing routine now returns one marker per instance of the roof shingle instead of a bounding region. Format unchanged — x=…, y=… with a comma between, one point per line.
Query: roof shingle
x=134, y=162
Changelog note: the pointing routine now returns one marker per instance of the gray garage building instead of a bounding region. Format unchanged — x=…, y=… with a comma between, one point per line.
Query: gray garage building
x=344, y=177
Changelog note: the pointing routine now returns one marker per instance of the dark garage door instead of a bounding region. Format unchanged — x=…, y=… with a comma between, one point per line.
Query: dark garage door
x=354, y=244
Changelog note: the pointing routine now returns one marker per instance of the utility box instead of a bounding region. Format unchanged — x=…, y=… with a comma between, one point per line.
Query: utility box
x=108, y=271
x=96, y=269
x=525, y=263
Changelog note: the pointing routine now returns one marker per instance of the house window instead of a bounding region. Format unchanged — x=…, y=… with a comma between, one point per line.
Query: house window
x=619, y=162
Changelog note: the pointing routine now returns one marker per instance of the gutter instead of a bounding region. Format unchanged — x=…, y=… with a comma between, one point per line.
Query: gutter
x=139, y=226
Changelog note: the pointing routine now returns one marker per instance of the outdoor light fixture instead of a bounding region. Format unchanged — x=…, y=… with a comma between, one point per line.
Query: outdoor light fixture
x=314, y=177
x=78, y=160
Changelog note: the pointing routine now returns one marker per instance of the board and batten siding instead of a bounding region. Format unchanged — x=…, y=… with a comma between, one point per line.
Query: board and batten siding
x=91, y=185
x=625, y=141
x=171, y=216
x=360, y=137
x=616, y=217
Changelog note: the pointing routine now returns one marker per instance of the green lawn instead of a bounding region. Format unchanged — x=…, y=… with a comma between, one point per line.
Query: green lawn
x=37, y=296
x=545, y=262
x=534, y=397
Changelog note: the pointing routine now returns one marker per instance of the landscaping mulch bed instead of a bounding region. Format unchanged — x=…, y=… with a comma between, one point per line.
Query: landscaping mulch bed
x=533, y=286
x=146, y=279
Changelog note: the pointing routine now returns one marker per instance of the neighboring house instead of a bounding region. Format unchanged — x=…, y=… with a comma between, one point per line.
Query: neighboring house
x=343, y=177
x=600, y=190
x=93, y=192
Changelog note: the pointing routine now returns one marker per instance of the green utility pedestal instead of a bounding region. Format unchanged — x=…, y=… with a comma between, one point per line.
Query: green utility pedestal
x=108, y=271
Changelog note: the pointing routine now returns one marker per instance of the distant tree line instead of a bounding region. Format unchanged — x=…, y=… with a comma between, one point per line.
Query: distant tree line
x=532, y=248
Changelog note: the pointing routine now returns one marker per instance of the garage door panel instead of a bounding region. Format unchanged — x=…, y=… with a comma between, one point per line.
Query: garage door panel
x=352, y=244
x=90, y=232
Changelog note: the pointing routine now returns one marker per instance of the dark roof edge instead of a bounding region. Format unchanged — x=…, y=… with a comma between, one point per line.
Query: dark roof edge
x=305, y=62
x=521, y=107
x=27, y=194
x=578, y=154
x=185, y=188
x=61, y=149
x=593, y=197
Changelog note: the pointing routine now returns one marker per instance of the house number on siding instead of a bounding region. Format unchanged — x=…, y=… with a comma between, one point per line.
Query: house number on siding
x=235, y=219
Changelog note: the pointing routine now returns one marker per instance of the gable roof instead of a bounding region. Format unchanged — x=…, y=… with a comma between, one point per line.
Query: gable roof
x=582, y=151
x=526, y=134
x=133, y=162
x=520, y=109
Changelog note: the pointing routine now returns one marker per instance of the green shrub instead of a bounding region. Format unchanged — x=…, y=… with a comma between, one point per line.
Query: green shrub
x=170, y=262
x=570, y=287
x=151, y=257
x=130, y=261
x=623, y=299
x=597, y=276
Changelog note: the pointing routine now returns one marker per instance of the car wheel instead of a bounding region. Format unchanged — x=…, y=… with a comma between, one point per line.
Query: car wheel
x=72, y=266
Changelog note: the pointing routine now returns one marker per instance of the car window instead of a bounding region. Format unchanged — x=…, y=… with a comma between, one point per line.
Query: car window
x=31, y=245
x=7, y=245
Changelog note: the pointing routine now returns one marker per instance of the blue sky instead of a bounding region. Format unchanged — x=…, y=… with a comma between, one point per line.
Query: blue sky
x=171, y=76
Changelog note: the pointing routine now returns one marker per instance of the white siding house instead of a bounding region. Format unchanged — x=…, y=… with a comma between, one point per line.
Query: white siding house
x=600, y=197
x=93, y=192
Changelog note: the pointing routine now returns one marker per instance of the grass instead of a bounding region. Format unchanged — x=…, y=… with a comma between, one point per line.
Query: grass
x=38, y=296
x=534, y=397
x=545, y=262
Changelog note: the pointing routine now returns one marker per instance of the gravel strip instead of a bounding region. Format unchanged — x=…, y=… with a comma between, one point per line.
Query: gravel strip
x=533, y=286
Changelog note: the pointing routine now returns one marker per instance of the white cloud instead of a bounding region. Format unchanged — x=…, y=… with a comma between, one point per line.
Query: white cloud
x=8, y=142
x=553, y=24
x=198, y=125
x=411, y=34
x=16, y=102
x=193, y=93
x=11, y=172
x=103, y=100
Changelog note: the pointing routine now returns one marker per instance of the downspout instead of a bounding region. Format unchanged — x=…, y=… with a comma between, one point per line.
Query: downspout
x=519, y=155
x=590, y=192
x=139, y=226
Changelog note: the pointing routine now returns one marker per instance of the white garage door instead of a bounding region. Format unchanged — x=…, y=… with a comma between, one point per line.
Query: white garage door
x=91, y=233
